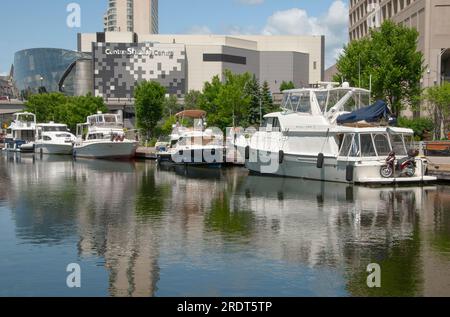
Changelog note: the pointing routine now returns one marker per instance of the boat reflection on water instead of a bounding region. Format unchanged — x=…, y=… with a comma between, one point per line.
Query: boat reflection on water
x=141, y=230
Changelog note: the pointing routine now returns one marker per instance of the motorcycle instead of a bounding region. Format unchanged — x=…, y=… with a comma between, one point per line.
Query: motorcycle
x=404, y=167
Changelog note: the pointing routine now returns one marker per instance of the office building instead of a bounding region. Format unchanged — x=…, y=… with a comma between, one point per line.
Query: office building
x=429, y=17
x=140, y=16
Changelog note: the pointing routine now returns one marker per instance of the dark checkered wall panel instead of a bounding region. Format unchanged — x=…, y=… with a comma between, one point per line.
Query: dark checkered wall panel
x=118, y=67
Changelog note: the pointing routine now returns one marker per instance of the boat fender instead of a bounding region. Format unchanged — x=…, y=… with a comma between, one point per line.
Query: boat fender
x=349, y=173
x=247, y=153
x=320, y=160
x=280, y=157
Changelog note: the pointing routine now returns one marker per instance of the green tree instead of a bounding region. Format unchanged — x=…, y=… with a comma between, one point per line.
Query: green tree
x=149, y=100
x=420, y=126
x=77, y=109
x=64, y=109
x=286, y=85
x=391, y=58
x=45, y=106
x=171, y=106
x=253, y=90
x=439, y=98
x=267, y=100
x=193, y=99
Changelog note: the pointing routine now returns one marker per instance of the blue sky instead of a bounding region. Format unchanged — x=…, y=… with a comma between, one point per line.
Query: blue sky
x=42, y=23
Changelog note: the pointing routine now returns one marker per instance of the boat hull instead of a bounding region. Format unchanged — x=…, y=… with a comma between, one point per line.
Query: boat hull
x=106, y=150
x=333, y=170
x=54, y=149
x=213, y=157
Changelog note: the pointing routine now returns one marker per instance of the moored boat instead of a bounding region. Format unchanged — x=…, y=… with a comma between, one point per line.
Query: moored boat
x=54, y=138
x=330, y=134
x=196, y=145
x=20, y=135
x=103, y=137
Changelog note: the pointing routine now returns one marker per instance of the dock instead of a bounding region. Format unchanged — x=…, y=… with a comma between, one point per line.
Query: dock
x=146, y=153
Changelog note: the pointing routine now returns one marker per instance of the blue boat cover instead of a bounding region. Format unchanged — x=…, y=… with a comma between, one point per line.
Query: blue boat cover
x=372, y=113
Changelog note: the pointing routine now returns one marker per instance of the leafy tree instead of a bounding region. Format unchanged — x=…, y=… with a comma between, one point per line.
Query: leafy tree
x=45, y=106
x=286, y=85
x=439, y=97
x=171, y=106
x=77, y=109
x=391, y=57
x=420, y=126
x=149, y=100
x=64, y=109
x=226, y=103
x=193, y=99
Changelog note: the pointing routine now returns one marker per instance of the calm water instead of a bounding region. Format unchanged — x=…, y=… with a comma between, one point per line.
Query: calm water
x=138, y=230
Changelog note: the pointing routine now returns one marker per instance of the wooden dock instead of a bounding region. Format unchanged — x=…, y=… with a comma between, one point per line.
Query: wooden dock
x=146, y=153
x=439, y=166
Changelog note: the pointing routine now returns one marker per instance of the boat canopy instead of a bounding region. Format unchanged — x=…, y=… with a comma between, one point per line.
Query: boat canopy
x=373, y=113
x=194, y=114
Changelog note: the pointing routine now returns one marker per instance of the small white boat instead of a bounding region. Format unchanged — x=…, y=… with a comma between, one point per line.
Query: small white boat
x=196, y=145
x=318, y=135
x=54, y=138
x=103, y=137
x=20, y=135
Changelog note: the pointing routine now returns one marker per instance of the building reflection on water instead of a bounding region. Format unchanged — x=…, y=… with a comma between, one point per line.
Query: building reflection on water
x=136, y=216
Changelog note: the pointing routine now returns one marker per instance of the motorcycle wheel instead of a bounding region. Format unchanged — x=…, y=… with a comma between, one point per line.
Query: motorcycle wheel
x=386, y=171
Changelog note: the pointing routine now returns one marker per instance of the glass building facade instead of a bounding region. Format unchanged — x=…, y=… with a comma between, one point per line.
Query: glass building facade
x=39, y=68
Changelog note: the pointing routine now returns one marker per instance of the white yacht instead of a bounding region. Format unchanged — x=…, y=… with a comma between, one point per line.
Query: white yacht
x=329, y=133
x=103, y=137
x=54, y=138
x=20, y=135
x=197, y=145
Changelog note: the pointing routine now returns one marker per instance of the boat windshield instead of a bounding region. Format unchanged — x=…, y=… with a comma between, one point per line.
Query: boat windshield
x=110, y=120
x=297, y=102
x=25, y=117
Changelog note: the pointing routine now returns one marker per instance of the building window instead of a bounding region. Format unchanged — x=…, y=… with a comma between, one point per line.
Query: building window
x=225, y=58
x=315, y=65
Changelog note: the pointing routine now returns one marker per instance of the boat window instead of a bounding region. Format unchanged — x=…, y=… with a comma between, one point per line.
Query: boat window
x=47, y=138
x=382, y=144
x=354, y=148
x=367, y=147
x=55, y=129
x=397, y=144
x=276, y=125
x=92, y=121
x=267, y=124
x=346, y=144
x=110, y=119
x=410, y=143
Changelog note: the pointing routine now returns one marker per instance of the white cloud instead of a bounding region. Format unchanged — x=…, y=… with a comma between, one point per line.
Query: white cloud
x=296, y=21
x=251, y=2
x=3, y=74
x=199, y=29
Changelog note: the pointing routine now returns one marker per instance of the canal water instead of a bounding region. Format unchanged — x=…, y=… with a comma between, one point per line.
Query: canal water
x=139, y=230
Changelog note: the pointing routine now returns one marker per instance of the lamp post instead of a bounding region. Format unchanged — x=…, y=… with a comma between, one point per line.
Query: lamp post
x=42, y=83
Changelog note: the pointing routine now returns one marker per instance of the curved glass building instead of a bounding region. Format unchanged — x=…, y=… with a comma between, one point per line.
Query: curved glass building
x=41, y=69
